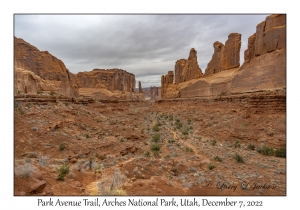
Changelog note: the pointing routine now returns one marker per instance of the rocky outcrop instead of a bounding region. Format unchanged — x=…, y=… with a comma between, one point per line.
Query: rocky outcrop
x=111, y=79
x=166, y=81
x=225, y=56
x=155, y=93
x=186, y=70
x=29, y=83
x=140, y=87
x=44, y=65
x=264, y=67
x=265, y=58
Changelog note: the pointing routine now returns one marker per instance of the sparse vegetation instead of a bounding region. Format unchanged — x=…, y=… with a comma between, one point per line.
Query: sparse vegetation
x=87, y=135
x=237, y=144
x=250, y=147
x=112, y=185
x=265, y=150
x=147, y=154
x=188, y=149
x=238, y=158
x=156, y=137
x=155, y=148
x=213, y=142
x=281, y=152
x=63, y=171
x=211, y=166
x=24, y=171
x=62, y=146
x=217, y=158
x=155, y=128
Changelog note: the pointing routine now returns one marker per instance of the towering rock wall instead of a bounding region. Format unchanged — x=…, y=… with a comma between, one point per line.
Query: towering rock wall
x=111, y=79
x=44, y=65
x=264, y=67
x=189, y=69
x=225, y=56
x=166, y=80
x=140, y=87
x=265, y=58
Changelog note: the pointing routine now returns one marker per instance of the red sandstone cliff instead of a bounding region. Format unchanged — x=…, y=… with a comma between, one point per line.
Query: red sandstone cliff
x=225, y=56
x=264, y=67
x=44, y=65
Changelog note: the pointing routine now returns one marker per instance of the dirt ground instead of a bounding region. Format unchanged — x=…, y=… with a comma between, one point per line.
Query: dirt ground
x=149, y=148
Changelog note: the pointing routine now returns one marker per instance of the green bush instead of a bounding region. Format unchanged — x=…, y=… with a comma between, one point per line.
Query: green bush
x=185, y=131
x=237, y=144
x=265, y=150
x=63, y=171
x=147, y=154
x=211, y=166
x=87, y=135
x=250, y=147
x=188, y=149
x=156, y=137
x=155, y=147
x=155, y=128
x=62, y=146
x=238, y=158
x=213, y=142
x=217, y=158
x=281, y=152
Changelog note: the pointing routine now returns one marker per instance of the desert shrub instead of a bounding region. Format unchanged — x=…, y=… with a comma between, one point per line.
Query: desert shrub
x=24, y=171
x=265, y=150
x=211, y=166
x=250, y=147
x=238, y=158
x=171, y=141
x=147, y=154
x=155, y=147
x=188, y=149
x=87, y=135
x=167, y=156
x=43, y=160
x=185, y=131
x=156, y=137
x=213, y=142
x=112, y=185
x=155, y=128
x=189, y=121
x=178, y=124
x=217, y=158
x=63, y=171
x=171, y=118
x=39, y=92
x=62, y=146
x=237, y=144
x=281, y=152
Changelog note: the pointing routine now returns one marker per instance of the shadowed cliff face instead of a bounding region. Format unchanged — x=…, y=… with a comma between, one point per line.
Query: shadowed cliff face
x=225, y=56
x=44, y=65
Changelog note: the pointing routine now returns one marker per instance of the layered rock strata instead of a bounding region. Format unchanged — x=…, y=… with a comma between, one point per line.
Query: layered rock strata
x=225, y=56
x=155, y=93
x=111, y=79
x=44, y=65
x=264, y=67
x=140, y=87
x=187, y=69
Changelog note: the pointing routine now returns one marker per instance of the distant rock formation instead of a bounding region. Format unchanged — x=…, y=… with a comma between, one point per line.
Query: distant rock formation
x=225, y=56
x=110, y=79
x=140, y=87
x=44, y=65
x=186, y=70
x=155, y=93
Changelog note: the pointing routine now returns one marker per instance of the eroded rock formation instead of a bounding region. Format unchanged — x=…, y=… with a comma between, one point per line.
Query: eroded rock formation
x=155, y=93
x=187, y=69
x=111, y=79
x=264, y=67
x=44, y=65
x=140, y=87
x=225, y=56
